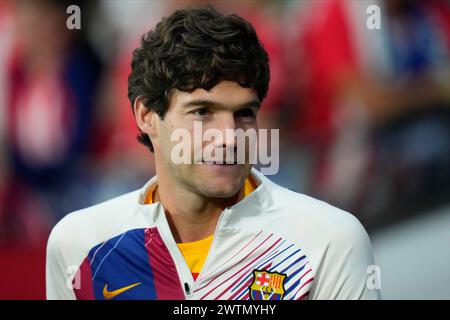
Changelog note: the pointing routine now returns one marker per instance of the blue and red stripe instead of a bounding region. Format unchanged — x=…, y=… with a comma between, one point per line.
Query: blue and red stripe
x=136, y=256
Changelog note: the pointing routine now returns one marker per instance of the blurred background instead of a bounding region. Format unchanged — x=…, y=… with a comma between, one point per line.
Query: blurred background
x=364, y=119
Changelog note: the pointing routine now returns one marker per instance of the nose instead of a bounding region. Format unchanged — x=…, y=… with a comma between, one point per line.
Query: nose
x=226, y=124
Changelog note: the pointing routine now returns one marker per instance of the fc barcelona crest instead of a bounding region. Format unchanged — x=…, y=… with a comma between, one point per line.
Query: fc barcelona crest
x=267, y=285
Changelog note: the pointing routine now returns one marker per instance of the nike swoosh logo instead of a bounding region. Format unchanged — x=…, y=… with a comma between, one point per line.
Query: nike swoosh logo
x=111, y=294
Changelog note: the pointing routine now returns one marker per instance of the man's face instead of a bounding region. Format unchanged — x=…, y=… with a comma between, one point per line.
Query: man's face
x=225, y=106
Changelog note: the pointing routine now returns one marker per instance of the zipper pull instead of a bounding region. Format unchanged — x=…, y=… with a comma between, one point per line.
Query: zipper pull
x=187, y=289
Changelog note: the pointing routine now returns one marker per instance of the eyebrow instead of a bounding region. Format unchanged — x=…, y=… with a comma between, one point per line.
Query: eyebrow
x=218, y=105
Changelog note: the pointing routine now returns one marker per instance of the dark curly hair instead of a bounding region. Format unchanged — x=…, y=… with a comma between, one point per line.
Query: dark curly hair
x=195, y=48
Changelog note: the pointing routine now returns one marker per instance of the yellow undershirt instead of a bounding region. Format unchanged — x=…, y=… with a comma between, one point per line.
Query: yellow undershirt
x=195, y=252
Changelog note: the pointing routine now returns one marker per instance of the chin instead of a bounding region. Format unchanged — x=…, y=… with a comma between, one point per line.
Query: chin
x=219, y=181
x=221, y=190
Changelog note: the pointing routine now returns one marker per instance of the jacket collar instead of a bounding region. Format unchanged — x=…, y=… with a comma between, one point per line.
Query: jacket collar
x=258, y=201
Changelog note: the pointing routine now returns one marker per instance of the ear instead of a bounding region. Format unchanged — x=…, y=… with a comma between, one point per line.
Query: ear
x=145, y=118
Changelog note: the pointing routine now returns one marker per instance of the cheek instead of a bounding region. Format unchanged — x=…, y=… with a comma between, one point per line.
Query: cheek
x=166, y=135
x=178, y=141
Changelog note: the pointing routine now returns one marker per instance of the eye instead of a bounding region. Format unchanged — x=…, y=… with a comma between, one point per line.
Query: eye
x=201, y=112
x=245, y=113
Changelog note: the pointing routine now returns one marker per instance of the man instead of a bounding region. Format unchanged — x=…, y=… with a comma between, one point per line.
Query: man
x=206, y=229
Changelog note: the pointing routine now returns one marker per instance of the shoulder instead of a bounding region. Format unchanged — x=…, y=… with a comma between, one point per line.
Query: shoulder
x=307, y=217
x=81, y=229
x=104, y=212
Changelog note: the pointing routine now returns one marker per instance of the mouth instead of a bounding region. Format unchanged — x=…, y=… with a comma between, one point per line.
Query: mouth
x=218, y=163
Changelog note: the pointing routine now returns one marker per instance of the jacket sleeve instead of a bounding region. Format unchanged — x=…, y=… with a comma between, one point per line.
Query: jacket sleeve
x=347, y=270
x=57, y=273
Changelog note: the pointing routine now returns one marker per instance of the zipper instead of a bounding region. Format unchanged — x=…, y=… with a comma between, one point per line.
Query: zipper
x=187, y=281
x=208, y=257
x=185, y=275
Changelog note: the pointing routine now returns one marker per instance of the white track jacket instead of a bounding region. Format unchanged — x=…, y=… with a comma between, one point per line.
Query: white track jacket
x=274, y=244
